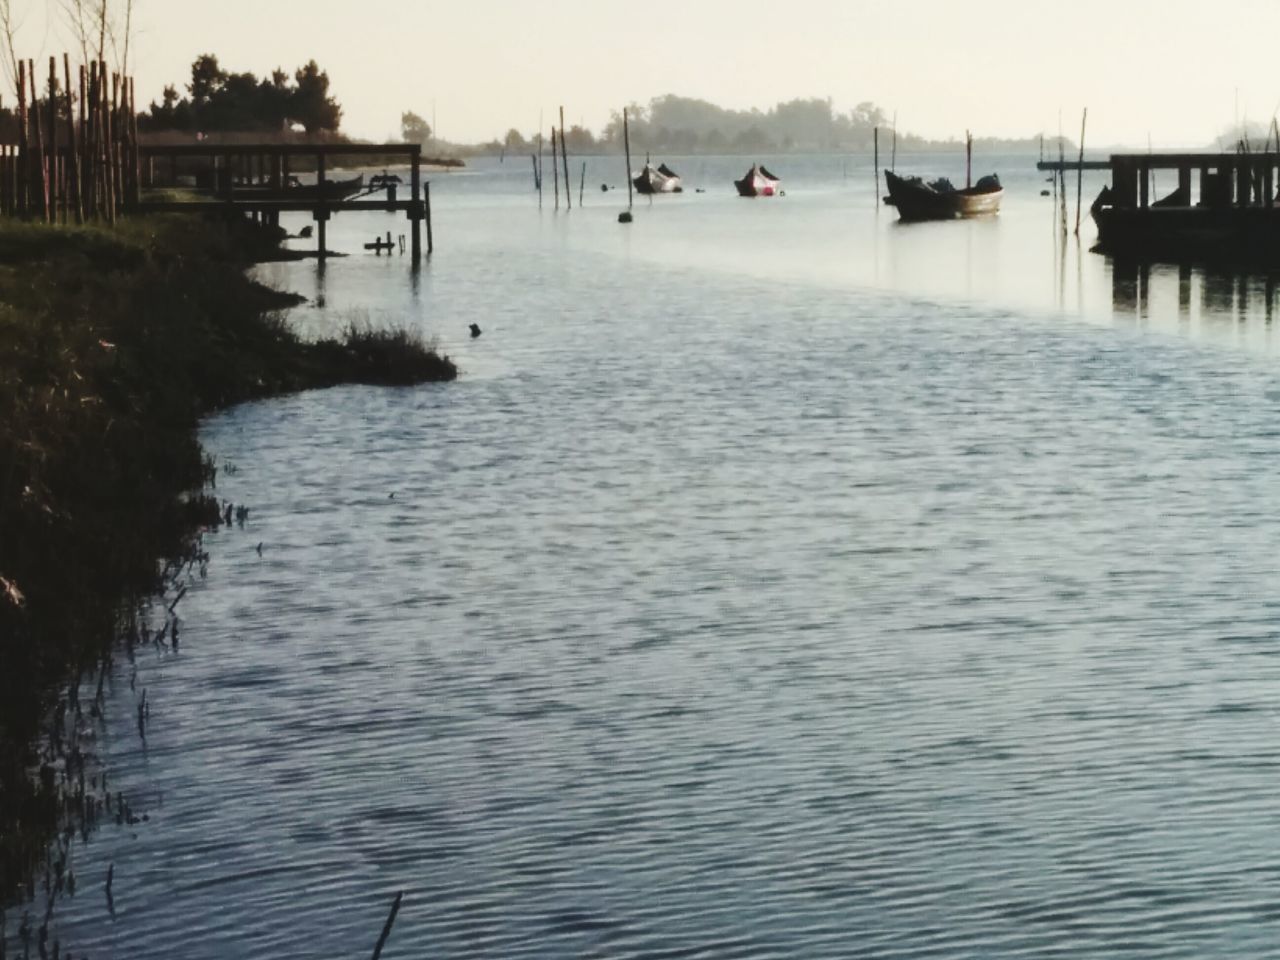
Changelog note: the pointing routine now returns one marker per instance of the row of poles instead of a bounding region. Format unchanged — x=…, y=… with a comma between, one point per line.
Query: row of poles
x=559, y=158
x=76, y=157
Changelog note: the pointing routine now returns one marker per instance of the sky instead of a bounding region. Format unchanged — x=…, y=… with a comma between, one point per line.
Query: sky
x=1174, y=71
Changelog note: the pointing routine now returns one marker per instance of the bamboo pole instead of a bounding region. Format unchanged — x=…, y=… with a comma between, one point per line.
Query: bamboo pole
x=539, y=170
x=1080, y=169
x=564, y=157
x=41, y=169
x=109, y=138
x=555, y=170
x=23, y=158
x=582, y=183
x=968, y=159
x=73, y=152
x=55, y=201
x=626, y=141
x=875, y=165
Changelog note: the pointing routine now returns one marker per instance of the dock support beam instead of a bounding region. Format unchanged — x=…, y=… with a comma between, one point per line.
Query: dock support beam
x=415, y=214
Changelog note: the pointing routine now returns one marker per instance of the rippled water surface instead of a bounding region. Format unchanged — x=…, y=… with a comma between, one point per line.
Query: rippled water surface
x=776, y=581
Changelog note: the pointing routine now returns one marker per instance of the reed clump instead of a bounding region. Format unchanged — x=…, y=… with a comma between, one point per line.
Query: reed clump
x=113, y=344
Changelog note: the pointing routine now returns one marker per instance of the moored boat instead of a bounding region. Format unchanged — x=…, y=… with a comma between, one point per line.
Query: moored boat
x=660, y=179
x=939, y=200
x=758, y=182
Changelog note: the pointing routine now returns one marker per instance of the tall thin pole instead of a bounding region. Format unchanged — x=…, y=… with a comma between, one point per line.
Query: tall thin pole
x=893, y=158
x=1080, y=169
x=538, y=171
x=626, y=142
x=555, y=170
x=564, y=156
x=968, y=159
x=73, y=149
x=875, y=164
x=582, y=182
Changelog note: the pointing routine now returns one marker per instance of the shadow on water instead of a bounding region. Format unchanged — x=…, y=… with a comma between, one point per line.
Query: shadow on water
x=1210, y=295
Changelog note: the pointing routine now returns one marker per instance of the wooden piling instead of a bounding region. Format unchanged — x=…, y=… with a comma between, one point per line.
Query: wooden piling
x=968, y=159
x=431, y=241
x=415, y=180
x=564, y=156
x=51, y=97
x=875, y=164
x=24, y=175
x=41, y=169
x=555, y=170
x=1080, y=170
x=73, y=148
x=582, y=183
x=539, y=169
x=626, y=142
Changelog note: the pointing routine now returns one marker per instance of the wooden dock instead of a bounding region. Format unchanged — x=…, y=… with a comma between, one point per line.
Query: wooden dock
x=1064, y=165
x=228, y=171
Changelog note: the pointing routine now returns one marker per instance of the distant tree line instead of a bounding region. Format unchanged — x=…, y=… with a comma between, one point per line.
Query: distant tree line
x=220, y=101
x=685, y=125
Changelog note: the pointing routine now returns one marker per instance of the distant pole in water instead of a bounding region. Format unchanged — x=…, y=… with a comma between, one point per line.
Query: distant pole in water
x=893, y=157
x=1080, y=169
x=968, y=159
x=539, y=169
x=1042, y=148
x=533, y=157
x=626, y=142
x=555, y=171
x=875, y=164
x=582, y=183
x=564, y=155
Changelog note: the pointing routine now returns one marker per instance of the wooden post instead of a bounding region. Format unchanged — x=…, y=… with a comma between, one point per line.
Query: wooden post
x=23, y=158
x=582, y=182
x=539, y=170
x=415, y=230
x=321, y=214
x=626, y=142
x=108, y=139
x=564, y=156
x=533, y=157
x=41, y=165
x=54, y=199
x=968, y=159
x=1080, y=170
x=875, y=165
x=426, y=195
x=73, y=149
x=555, y=170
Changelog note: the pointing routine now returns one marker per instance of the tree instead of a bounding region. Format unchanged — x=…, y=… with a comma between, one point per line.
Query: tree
x=413, y=129
x=207, y=79
x=311, y=104
x=515, y=141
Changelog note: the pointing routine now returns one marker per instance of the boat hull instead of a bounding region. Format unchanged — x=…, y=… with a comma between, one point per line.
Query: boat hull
x=917, y=202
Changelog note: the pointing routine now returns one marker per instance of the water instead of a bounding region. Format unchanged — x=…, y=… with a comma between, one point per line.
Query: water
x=775, y=582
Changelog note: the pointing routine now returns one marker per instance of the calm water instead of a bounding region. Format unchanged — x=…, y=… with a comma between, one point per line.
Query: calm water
x=777, y=581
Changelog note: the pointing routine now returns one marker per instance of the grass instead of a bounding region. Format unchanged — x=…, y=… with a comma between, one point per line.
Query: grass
x=113, y=344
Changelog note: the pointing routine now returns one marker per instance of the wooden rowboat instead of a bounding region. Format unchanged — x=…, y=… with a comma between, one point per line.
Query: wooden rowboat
x=758, y=182
x=917, y=200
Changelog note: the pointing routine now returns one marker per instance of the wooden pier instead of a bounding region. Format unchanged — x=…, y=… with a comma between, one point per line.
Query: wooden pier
x=1224, y=206
x=1064, y=165
x=257, y=180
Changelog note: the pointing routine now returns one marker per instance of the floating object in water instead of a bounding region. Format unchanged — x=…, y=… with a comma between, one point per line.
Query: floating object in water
x=304, y=233
x=624, y=217
x=604, y=188
x=917, y=200
x=758, y=182
x=379, y=245
x=661, y=179
x=1044, y=193
x=475, y=332
x=259, y=548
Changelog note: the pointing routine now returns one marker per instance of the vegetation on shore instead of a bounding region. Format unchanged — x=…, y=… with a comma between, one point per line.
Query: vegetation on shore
x=113, y=343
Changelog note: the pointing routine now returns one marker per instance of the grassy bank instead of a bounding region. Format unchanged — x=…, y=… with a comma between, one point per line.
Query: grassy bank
x=113, y=343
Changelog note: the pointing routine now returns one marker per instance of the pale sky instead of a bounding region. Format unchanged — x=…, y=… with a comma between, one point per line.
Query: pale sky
x=1173, y=70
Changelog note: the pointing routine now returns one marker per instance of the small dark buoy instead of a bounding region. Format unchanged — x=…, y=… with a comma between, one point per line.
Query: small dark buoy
x=475, y=330
x=624, y=217
x=604, y=188
x=1044, y=193
x=259, y=549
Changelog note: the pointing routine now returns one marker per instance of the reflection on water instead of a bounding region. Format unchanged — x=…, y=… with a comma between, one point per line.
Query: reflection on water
x=776, y=582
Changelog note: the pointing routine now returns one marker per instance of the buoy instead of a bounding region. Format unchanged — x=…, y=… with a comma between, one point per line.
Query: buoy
x=475, y=330
x=624, y=217
x=604, y=188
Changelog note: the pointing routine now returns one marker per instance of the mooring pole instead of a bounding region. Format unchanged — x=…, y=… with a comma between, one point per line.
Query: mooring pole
x=626, y=142
x=431, y=243
x=321, y=214
x=416, y=213
x=875, y=164
x=1080, y=169
x=968, y=159
x=564, y=157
